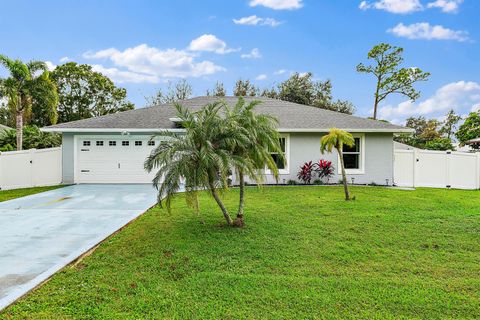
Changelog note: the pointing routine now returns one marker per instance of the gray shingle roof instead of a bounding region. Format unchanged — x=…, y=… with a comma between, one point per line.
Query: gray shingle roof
x=291, y=117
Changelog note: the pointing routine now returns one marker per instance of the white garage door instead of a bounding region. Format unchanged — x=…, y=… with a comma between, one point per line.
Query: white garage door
x=113, y=159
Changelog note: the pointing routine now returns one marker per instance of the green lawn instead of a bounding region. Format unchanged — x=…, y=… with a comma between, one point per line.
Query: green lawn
x=304, y=254
x=17, y=193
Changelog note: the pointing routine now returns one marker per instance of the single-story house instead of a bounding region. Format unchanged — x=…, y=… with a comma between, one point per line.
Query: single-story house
x=112, y=148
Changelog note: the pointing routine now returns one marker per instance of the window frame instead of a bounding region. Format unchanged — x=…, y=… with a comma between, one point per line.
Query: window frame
x=361, y=168
x=87, y=143
x=286, y=170
x=151, y=143
x=99, y=143
x=112, y=143
x=138, y=143
x=125, y=143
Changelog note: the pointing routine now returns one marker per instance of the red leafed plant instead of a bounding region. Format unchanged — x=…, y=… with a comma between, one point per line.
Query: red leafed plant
x=324, y=169
x=306, y=172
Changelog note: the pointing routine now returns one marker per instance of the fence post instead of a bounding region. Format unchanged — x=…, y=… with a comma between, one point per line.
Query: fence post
x=32, y=155
x=415, y=157
x=448, y=157
x=478, y=169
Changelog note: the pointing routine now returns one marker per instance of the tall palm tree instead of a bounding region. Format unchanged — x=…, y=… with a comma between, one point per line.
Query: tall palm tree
x=200, y=158
x=263, y=139
x=336, y=138
x=27, y=82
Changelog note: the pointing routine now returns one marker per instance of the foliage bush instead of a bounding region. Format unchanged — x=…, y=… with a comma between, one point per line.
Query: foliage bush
x=323, y=169
x=291, y=182
x=32, y=138
x=439, y=144
x=306, y=172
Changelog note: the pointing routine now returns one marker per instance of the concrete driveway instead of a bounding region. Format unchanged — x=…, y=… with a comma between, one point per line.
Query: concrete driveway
x=42, y=233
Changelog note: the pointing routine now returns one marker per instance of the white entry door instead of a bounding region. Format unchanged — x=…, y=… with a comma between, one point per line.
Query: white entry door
x=113, y=159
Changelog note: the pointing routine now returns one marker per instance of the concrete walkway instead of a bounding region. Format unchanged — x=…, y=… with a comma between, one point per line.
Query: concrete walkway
x=42, y=233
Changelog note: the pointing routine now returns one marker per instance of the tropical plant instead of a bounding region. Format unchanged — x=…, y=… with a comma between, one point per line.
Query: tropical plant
x=324, y=169
x=27, y=84
x=336, y=139
x=390, y=78
x=33, y=138
x=306, y=172
x=200, y=158
x=263, y=139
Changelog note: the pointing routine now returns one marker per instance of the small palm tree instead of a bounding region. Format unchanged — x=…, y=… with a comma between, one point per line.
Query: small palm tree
x=199, y=159
x=263, y=139
x=27, y=82
x=336, y=138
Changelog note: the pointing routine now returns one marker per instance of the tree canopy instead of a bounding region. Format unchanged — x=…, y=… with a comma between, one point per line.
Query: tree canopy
x=470, y=129
x=389, y=76
x=180, y=90
x=84, y=93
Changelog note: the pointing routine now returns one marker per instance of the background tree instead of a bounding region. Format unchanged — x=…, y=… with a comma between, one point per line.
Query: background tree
x=301, y=88
x=335, y=139
x=450, y=123
x=390, y=78
x=84, y=93
x=470, y=129
x=244, y=88
x=180, y=90
x=28, y=84
x=218, y=91
x=439, y=144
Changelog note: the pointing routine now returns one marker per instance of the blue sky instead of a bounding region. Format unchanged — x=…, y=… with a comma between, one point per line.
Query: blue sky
x=143, y=44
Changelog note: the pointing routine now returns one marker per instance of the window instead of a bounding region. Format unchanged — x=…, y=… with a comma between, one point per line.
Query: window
x=151, y=143
x=99, y=143
x=112, y=143
x=282, y=164
x=86, y=143
x=353, y=157
x=138, y=143
x=125, y=143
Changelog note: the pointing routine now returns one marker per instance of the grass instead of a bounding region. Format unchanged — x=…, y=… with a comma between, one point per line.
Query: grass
x=17, y=193
x=304, y=254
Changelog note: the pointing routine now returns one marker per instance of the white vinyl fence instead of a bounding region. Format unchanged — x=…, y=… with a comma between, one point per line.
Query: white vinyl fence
x=30, y=168
x=437, y=169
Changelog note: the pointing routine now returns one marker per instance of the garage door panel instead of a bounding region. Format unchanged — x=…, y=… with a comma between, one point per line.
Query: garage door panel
x=114, y=161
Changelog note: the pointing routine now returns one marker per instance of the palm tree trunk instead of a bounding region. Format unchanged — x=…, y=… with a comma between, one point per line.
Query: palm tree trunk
x=239, y=220
x=344, y=175
x=19, y=125
x=220, y=204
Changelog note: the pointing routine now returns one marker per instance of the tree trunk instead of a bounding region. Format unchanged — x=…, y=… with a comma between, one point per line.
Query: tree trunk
x=375, y=105
x=220, y=204
x=19, y=122
x=239, y=220
x=344, y=175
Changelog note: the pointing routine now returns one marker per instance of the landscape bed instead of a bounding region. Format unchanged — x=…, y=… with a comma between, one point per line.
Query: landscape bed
x=304, y=253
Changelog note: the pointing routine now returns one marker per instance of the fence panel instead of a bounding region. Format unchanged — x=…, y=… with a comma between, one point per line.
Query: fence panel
x=437, y=169
x=30, y=168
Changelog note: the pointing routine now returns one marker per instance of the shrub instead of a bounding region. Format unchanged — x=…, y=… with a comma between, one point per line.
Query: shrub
x=32, y=138
x=306, y=172
x=441, y=144
x=318, y=181
x=291, y=182
x=324, y=169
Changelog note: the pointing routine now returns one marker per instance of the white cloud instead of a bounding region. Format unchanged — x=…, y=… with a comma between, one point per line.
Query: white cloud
x=424, y=30
x=278, y=4
x=210, y=43
x=50, y=65
x=461, y=96
x=280, y=71
x=120, y=76
x=393, y=6
x=64, y=59
x=254, y=54
x=257, y=21
x=151, y=61
x=261, y=77
x=475, y=108
x=447, y=6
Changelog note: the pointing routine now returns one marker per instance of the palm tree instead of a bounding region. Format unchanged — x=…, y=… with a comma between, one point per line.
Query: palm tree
x=336, y=138
x=200, y=158
x=263, y=139
x=28, y=82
